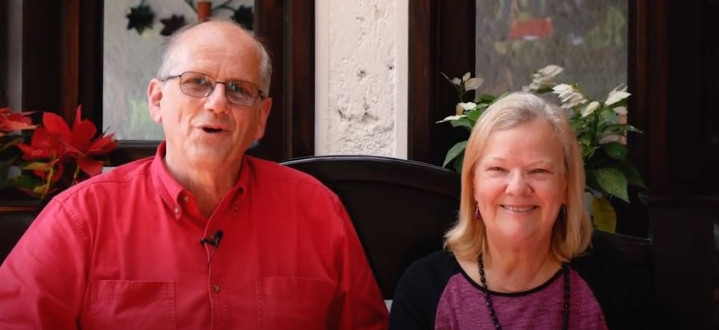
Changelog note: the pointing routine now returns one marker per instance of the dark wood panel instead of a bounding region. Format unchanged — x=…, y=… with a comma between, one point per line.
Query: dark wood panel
x=301, y=67
x=41, y=56
x=441, y=40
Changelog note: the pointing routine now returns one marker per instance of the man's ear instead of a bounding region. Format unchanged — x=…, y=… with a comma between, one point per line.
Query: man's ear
x=154, y=96
x=263, y=114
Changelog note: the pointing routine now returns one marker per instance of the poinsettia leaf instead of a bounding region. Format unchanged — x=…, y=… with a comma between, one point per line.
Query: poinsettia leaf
x=55, y=125
x=102, y=145
x=82, y=134
x=38, y=166
x=90, y=166
x=613, y=181
x=454, y=152
x=616, y=150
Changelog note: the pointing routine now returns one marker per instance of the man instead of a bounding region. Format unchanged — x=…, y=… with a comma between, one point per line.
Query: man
x=201, y=236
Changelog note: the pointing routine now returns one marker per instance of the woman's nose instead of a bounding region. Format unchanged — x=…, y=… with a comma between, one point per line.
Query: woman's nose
x=517, y=183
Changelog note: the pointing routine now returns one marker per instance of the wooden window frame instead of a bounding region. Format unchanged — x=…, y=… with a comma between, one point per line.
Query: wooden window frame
x=441, y=39
x=288, y=34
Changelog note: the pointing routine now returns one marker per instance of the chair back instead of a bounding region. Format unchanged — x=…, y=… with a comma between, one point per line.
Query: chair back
x=400, y=208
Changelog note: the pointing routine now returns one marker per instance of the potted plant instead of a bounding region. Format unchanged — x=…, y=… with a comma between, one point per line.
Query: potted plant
x=600, y=127
x=49, y=157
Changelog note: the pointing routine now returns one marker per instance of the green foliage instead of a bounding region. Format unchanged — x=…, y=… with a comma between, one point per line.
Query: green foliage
x=600, y=128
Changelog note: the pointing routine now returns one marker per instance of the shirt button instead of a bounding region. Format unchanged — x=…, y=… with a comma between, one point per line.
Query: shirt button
x=235, y=207
x=216, y=288
x=177, y=209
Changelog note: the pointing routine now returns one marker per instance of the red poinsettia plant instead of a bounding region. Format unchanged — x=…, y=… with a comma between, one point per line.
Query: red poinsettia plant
x=58, y=156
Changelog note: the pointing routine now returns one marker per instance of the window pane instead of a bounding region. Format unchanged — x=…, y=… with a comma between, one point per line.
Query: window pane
x=130, y=59
x=588, y=38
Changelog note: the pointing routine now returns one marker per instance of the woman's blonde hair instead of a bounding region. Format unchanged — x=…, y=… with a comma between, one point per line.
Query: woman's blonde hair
x=572, y=231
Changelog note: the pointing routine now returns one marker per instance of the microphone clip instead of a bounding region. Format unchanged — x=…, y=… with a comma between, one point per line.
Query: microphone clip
x=213, y=240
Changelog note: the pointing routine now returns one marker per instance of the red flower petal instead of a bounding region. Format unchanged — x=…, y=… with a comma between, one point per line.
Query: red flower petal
x=90, y=166
x=55, y=125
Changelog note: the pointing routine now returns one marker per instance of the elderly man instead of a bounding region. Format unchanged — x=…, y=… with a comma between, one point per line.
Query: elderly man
x=200, y=236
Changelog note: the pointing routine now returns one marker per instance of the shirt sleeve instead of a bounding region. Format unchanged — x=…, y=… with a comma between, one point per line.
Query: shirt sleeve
x=359, y=304
x=43, y=279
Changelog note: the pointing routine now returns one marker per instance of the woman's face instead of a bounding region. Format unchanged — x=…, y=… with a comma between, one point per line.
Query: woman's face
x=520, y=184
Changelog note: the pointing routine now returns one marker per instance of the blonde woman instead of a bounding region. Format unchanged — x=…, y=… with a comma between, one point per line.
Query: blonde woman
x=519, y=256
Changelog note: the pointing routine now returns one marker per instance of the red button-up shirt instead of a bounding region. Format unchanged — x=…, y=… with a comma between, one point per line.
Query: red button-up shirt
x=122, y=251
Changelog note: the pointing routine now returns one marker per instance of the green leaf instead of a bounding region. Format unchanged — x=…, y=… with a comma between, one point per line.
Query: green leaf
x=457, y=163
x=616, y=151
x=38, y=166
x=23, y=181
x=603, y=214
x=462, y=122
x=454, y=152
x=613, y=181
x=634, y=178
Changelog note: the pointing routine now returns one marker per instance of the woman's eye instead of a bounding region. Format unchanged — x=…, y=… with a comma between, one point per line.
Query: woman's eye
x=539, y=171
x=495, y=169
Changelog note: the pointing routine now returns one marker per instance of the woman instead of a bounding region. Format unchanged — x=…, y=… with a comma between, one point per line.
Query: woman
x=516, y=258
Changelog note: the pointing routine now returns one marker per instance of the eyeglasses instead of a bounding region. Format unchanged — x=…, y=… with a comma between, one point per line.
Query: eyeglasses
x=238, y=92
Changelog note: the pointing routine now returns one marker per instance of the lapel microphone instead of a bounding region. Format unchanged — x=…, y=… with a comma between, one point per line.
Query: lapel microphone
x=213, y=240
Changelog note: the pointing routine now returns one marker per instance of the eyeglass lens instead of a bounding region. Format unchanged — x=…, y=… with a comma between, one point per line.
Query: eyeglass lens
x=238, y=92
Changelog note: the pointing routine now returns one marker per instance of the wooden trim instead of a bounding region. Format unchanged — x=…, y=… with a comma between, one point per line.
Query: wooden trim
x=69, y=71
x=436, y=25
x=420, y=64
x=299, y=92
x=649, y=83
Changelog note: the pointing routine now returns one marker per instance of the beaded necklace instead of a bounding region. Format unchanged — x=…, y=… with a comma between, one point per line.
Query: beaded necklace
x=490, y=306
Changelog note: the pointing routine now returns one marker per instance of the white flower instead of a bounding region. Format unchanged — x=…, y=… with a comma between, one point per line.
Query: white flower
x=616, y=95
x=569, y=96
x=468, y=82
x=473, y=83
x=451, y=118
x=543, y=76
x=461, y=107
x=467, y=105
x=590, y=108
x=550, y=71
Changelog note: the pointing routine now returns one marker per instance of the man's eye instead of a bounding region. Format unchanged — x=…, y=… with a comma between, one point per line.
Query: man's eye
x=199, y=81
x=240, y=89
x=204, y=81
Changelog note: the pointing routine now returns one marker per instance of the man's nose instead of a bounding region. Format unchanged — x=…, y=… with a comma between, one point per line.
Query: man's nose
x=217, y=99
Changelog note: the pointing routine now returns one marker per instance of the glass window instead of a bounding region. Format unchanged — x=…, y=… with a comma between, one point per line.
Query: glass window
x=131, y=57
x=588, y=38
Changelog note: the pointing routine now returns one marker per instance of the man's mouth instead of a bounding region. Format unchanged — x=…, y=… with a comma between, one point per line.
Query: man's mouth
x=211, y=130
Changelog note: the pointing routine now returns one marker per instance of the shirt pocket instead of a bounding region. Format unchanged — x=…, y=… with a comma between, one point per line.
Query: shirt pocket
x=294, y=303
x=121, y=304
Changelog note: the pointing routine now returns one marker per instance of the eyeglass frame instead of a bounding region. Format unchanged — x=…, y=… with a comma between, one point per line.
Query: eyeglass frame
x=260, y=92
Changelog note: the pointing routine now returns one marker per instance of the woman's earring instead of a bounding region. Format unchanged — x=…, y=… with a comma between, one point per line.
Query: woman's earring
x=476, y=212
x=564, y=209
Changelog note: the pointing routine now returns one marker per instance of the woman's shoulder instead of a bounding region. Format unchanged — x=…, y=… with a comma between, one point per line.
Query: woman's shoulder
x=437, y=265
x=419, y=289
